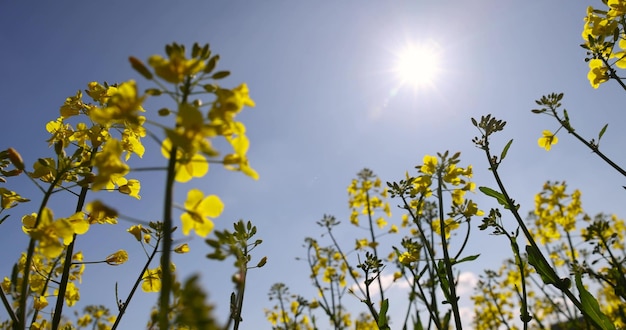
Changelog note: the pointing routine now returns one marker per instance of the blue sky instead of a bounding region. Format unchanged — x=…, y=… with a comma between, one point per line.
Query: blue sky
x=328, y=104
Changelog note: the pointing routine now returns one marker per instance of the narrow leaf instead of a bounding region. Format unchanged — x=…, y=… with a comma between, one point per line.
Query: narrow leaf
x=469, y=258
x=382, y=316
x=505, y=150
x=602, y=132
x=547, y=273
x=497, y=195
x=591, y=307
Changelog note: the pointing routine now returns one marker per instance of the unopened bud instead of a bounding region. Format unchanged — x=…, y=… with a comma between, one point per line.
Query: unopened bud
x=262, y=262
x=140, y=67
x=58, y=148
x=16, y=159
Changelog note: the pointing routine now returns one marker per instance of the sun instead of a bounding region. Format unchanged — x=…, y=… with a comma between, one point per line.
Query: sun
x=418, y=65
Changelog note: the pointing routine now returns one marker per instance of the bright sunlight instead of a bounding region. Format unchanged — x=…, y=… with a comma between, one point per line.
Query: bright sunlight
x=418, y=65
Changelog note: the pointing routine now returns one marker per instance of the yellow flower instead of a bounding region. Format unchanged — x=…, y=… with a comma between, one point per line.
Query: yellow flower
x=430, y=165
x=186, y=167
x=547, y=140
x=361, y=243
x=183, y=248
x=73, y=105
x=40, y=302
x=6, y=285
x=78, y=222
x=229, y=102
x=381, y=222
x=9, y=198
x=407, y=258
x=151, y=280
x=100, y=213
x=117, y=258
x=72, y=295
x=329, y=273
x=109, y=164
x=598, y=73
x=294, y=306
x=136, y=231
x=48, y=232
x=450, y=225
x=123, y=106
x=177, y=67
x=240, y=145
x=129, y=187
x=198, y=211
x=617, y=8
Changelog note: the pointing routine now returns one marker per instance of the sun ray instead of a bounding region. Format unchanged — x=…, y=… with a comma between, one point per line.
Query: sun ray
x=418, y=64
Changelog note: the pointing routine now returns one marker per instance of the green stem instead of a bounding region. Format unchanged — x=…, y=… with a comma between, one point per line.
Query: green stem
x=48, y=278
x=520, y=264
x=368, y=303
x=166, y=256
x=373, y=236
x=243, y=272
x=21, y=312
x=7, y=306
x=453, y=299
x=125, y=304
x=58, y=310
x=529, y=237
x=166, y=279
x=594, y=148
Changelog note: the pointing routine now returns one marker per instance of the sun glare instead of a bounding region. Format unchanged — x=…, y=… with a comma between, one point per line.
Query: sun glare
x=418, y=65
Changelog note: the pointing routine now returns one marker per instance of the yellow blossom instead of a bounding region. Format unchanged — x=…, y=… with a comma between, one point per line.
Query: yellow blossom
x=430, y=165
x=151, y=280
x=136, y=231
x=198, y=211
x=182, y=248
x=177, y=67
x=109, y=164
x=129, y=187
x=117, y=258
x=598, y=73
x=48, y=232
x=9, y=199
x=450, y=225
x=547, y=140
x=100, y=213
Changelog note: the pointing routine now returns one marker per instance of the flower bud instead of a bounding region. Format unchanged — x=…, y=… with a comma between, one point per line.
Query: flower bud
x=16, y=159
x=140, y=67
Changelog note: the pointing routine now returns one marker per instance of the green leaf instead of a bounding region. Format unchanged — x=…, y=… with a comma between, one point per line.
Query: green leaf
x=382, y=315
x=211, y=63
x=469, y=258
x=220, y=75
x=547, y=273
x=497, y=195
x=591, y=307
x=602, y=132
x=505, y=150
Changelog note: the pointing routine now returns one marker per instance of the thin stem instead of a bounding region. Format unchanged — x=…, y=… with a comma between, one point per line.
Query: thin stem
x=243, y=272
x=368, y=303
x=453, y=299
x=166, y=280
x=21, y=324
x=56, y=319
x=373, y=236
x=7, y=306
x=531, y=240
x=124, y=305
x=594, y=148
